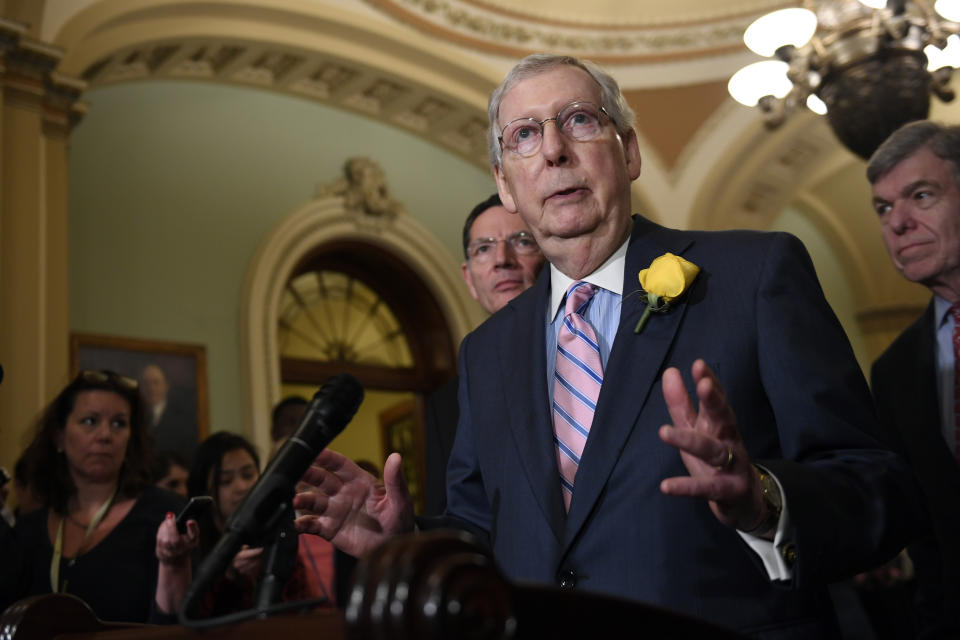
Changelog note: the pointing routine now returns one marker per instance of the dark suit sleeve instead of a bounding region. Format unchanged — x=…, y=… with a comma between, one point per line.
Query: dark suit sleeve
x=467, y=504
x=440, y=428
x=904, y=384
x=851, y=499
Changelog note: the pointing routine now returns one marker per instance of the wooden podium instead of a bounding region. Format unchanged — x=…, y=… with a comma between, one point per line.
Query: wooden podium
x=433, y=585
x=66, y=617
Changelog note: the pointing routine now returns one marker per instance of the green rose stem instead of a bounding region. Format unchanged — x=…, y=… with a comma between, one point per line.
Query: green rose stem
x=653, y=303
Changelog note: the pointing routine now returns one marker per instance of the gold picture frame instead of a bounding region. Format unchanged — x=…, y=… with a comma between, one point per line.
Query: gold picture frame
x=183, y=419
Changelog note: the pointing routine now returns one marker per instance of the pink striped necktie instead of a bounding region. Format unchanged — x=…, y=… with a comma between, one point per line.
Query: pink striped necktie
x=576, y=385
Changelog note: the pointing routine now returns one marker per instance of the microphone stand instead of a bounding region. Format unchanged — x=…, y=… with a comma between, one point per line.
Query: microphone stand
x=280, y=540
x=266, y=513
x=279, y=559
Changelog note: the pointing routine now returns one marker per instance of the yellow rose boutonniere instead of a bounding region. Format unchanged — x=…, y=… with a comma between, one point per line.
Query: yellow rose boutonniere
x=665, y=280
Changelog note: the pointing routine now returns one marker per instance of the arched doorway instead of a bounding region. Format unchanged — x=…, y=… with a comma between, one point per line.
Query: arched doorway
x=334, y=288
x=354, y=307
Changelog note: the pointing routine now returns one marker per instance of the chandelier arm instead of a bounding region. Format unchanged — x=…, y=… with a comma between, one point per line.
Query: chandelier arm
x=819, y=51
x=934, y=26
x=894, y=24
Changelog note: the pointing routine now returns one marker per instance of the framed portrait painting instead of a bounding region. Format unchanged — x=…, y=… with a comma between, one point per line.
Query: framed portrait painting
x=172, y=380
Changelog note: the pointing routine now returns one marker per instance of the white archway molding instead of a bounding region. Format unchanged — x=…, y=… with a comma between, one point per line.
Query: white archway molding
x=844, y=245
x=108, y=25
x=316, y=223
x=347, y=57
x=757, y=172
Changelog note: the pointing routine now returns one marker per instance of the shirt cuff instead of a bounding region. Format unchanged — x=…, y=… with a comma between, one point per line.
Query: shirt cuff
x=772, y=553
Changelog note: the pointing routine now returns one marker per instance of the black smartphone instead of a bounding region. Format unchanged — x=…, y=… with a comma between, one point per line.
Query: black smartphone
x=197, y=506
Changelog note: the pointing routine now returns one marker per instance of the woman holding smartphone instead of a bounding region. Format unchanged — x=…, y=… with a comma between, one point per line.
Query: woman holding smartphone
x=226, y=466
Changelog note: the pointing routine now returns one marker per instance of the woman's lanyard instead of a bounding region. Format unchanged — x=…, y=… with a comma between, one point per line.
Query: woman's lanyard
x=58, y=544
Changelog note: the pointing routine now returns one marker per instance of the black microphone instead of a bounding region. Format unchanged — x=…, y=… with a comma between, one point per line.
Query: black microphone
x=270, y=499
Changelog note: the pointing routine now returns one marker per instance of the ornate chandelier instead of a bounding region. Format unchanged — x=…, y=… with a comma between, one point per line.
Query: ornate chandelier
x=868, y=65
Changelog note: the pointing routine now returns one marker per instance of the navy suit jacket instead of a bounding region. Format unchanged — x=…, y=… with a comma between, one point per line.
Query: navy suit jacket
x=904, y=382
x=757, y=316
x=439, y=430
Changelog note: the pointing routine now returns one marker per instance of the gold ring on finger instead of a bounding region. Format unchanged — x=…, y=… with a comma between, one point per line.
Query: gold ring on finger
x=728, y=463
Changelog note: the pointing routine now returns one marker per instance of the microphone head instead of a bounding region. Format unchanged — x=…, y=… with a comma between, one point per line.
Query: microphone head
x=332, y=407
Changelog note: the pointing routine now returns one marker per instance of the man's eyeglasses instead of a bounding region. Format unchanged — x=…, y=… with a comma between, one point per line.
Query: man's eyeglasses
x=103, y=376
x=578, y=121
x=483, y=250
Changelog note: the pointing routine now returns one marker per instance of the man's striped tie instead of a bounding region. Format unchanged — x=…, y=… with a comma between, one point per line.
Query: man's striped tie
x=576, y=385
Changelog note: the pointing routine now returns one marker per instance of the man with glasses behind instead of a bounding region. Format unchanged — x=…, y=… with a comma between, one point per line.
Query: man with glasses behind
x=501, y=260
x=580, y=457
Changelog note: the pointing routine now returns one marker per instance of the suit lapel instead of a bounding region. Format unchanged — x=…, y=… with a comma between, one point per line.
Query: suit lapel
x=634, y=365
x=924, y=434
x=525, y=389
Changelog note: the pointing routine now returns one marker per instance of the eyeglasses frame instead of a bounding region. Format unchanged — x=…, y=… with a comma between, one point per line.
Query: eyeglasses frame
x=540, y=123
x=510, y=239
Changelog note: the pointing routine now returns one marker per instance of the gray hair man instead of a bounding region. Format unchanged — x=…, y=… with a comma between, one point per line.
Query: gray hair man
x=580, y=457
x=915, y=178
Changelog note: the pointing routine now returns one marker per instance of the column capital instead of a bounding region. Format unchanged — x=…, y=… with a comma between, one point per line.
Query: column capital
x=29, y=80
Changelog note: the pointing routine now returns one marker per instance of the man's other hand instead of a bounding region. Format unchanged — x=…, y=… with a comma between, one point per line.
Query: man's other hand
x=712, y=451
x=350, y=507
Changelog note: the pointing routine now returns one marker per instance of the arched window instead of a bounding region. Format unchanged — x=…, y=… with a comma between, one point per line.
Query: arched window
x=351, y=306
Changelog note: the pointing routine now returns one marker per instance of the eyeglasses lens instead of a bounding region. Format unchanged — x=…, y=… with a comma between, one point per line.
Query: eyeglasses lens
x=577, y=120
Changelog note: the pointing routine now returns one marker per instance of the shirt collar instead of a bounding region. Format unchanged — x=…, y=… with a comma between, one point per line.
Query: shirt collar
x=608, y=276
x=941, y=308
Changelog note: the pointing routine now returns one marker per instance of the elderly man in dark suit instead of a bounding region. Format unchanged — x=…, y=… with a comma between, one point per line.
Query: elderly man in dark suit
x=580, y=457
x=915, y=177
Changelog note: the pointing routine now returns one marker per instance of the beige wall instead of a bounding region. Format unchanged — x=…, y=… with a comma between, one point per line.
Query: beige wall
x=173, y=185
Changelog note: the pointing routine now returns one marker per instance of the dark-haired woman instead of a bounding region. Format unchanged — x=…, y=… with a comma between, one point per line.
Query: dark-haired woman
x=225, y=467
x=95, y=537
x=170, y=472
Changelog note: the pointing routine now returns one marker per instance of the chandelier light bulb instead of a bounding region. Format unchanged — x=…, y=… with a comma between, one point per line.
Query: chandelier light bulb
x=947, y=57
x=815, y=104
x=949, y=9
x=860, y=57
x=754, y=81
x=768, y=33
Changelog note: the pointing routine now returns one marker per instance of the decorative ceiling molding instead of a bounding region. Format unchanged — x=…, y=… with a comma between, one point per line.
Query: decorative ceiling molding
x=27, y=78
x=601, y=37
x=306, y=74
x=762, y=173
x=614, y=14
